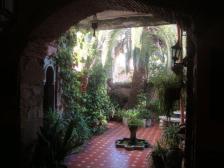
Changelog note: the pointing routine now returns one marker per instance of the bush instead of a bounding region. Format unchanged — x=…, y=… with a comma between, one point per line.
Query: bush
x=159, y=156
x=154, y=108
x=168, y=87
x=58, y=137
x=55, y=141
x=81, y=128
x=141, y=106
x=98, y=105
x=133, y=117
x=171, y=136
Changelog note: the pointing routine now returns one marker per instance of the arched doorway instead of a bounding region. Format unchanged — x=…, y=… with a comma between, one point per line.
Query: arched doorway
x=49, y=93
x=43, y=34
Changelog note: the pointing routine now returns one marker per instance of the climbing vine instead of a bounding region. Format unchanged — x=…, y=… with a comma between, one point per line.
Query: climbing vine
x=77, y=56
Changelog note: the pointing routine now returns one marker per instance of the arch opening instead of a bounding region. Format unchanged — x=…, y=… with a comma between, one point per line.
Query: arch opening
x=49, y=88
x=49, y=92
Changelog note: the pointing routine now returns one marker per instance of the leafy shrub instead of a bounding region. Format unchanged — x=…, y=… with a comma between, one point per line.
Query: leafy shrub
x=144, y=112
x=154, y=105
x=81, y=129
x=55, y=141
x=167, y=83
x=98, y=105
x=135, y=122
x=171, y=136
x=133, y=117
x=159, y=156
x=94, y=106
x=154, y=108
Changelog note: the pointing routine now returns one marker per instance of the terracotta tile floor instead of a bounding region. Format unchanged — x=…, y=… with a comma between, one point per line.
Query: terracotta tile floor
x=101, y=152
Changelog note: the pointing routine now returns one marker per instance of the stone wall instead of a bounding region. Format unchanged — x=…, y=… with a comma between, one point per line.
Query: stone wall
x=31, y=101
x=31, y=95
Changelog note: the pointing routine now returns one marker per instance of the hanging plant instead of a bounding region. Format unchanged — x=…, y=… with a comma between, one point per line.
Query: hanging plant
x=168, y=86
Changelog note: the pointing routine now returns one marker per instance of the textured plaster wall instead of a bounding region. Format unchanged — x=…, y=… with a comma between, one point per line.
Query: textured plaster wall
x=32, y=93
x=31, y=98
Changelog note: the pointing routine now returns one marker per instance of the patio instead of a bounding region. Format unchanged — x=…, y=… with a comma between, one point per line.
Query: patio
x=100, y=151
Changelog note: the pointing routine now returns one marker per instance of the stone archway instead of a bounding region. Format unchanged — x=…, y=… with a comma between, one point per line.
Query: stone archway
x=48, y=19
x=49, y=85
x=63, y=18
x=51, y=28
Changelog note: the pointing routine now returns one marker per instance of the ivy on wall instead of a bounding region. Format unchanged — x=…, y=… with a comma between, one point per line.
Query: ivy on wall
x=78, y=47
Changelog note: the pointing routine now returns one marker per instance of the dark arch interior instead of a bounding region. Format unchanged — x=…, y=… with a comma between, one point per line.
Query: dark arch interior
x=49, y=90
x=48, y=19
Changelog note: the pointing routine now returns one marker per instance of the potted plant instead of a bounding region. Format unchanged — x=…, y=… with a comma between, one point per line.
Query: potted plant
x=167, y=153
x=56, y=139
x=133, y=122
x=159, y=156
x=133, y=125
x=168, y=87
x=174, y=154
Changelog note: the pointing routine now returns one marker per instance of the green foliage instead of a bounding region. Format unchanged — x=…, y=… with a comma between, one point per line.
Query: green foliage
x=141, y=100
x=171, y=136
x=166, y=83
x=85, y=50
x=130, y=113
x=154, y=108
x=133, y=117
x=98, y=104
x=135, y=122
x=165, y=78
x=117, y=114
x=59, y=135
x=167, y=153
x=144, y=112
x=159, y=156
x=112, y=41
x=78, y=47
x=154, y=105
x=149, y=47
x=56, y=139
x=71, y=95
x=82, y=130
x=159, y=150
x=115, y=102
x=152, y=48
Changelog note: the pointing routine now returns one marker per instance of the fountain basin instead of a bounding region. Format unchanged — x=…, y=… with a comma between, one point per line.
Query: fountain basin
x=126, y=143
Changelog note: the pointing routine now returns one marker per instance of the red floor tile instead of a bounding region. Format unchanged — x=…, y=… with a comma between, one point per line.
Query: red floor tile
x=101, y=152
